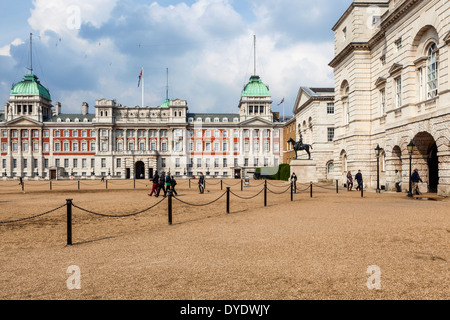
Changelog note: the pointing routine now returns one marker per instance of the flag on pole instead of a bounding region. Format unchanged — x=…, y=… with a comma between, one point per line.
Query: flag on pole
x=282, y=101
x=140, y=77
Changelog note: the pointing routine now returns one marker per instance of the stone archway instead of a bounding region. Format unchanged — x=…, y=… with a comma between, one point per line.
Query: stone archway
x=139, y=171
x=426, y=160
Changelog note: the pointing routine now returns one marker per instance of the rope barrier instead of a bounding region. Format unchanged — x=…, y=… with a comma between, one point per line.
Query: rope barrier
x=33, y=217
x=245, y=198
x=200, y=205
x=118, y=216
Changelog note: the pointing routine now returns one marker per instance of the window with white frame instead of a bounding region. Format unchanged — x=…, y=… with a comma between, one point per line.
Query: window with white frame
x=398, y=92
x=432, y=72
x=330, y=108
x=330, y=136
x=382, y=102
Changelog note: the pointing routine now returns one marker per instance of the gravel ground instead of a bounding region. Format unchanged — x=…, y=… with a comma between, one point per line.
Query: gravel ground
x=312, y=248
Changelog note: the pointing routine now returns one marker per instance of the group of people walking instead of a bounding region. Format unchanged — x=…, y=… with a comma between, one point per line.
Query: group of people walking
x=415, y=180
x=163, y=182
x=358, y=178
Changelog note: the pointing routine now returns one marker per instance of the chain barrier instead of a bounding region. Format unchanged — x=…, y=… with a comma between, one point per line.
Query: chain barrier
x=327, y=187
x=118, y=216
x=232, y=185
x=200, y=205
x=245, y=198
x=279, y=186
x=33, y=217
x=279, y=192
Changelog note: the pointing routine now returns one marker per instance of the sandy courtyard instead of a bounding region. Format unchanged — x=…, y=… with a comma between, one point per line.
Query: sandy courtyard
x=312, y=248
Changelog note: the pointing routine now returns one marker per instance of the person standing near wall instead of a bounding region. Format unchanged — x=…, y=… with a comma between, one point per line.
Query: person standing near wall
x=398, y=181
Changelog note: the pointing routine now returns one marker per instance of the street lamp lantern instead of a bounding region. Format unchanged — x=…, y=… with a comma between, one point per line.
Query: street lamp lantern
x=377, y=153
x=411, y=147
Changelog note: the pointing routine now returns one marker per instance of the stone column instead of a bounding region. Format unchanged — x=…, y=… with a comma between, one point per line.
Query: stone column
x=444, y=174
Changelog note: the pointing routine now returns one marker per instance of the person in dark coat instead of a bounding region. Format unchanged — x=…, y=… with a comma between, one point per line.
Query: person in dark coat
x=415, y=179
x=201, y=182
x=162, y=182
x=294, y=181
x=155, y=186
x=173, y=183
x=359, y=180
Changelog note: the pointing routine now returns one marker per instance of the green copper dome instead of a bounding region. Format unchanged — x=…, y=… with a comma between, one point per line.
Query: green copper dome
x=256, y=88
x=166, y=104
x=30, y=86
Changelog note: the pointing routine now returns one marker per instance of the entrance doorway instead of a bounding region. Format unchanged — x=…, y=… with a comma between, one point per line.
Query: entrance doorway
x=428, y=162
x=52, y=174
x=433, y=167
x=139, y=170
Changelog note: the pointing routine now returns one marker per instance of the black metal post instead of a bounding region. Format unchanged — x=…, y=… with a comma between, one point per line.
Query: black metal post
x=378, y=175
x=221, y=185
x=78, y=185
x=69, y=221
x=170, y=207
x=362, y=191
x=23, y=185
x=228, y=200
x=134, y=183
x=265, y=193
x=292, y=191
x=242, y=184
x=410, y=173
x=337, y=186
x=310, y=190
x=106, y=184
x=50, y=185
x=189, y=183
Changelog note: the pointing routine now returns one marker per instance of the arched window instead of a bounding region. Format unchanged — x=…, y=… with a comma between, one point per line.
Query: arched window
x=432, y=72
x=345, y=91
x=330, y=167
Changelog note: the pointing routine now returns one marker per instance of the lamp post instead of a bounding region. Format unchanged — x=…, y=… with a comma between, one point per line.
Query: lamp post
x=377, y=153
x=411, y=146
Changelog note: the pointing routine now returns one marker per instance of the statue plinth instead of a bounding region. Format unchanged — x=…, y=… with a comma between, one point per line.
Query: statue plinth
x=305, y=170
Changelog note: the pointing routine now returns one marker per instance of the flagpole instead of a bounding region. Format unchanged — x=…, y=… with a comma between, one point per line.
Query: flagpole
x=142, y=87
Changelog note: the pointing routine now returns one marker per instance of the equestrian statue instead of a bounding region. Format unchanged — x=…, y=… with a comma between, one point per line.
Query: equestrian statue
x=300, y=146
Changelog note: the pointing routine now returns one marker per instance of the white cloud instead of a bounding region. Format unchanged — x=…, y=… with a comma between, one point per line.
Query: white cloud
x=207, y=47
x=61, y=17
x=6, y=50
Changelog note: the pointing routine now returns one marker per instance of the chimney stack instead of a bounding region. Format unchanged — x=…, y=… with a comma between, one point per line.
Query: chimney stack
x=85, y=109
x=58, y=108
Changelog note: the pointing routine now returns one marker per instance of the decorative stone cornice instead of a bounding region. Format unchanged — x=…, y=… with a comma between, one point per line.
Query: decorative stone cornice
x=447, y=38
x=396, y=67
x=387, y=22
x=380, y=82
x=353, y=46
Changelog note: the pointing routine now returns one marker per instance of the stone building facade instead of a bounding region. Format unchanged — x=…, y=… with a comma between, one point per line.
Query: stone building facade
x=38, y=141
x=289, y=131
x=315, y=119
x=392, y=87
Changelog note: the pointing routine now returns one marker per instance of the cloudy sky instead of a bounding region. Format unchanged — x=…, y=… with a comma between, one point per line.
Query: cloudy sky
x=85, y=50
